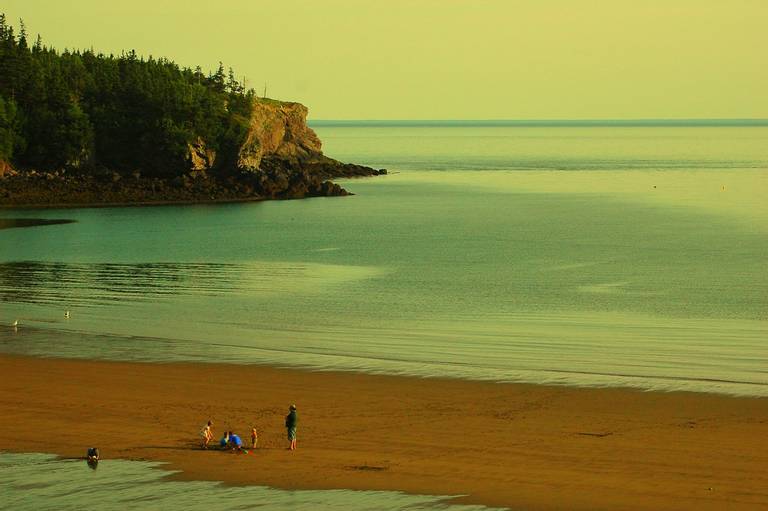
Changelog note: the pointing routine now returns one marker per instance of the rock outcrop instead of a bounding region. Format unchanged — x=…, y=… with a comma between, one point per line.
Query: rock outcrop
x=278, y=130
x=5, y=169
x=200, y=157
x=279, y=137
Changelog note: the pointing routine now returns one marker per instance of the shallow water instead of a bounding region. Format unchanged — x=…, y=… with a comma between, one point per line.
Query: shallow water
x=41, y=481
x=568, y=255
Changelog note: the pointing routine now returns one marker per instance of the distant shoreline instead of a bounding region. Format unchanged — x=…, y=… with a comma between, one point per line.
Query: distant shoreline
x=518, y=445
x=65, y=205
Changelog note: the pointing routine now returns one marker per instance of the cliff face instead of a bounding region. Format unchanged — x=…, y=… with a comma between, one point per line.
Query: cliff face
x=200, y=157
x=278, y=130
x=279, y=141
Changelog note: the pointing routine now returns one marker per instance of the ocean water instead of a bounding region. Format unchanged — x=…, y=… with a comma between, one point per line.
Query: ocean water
x=579, y=255
x=37, y=482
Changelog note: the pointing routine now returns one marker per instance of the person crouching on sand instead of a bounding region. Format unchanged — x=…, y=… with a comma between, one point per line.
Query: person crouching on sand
x=224, y=442
x=254, y=438
x=92, y=457
x=93, y=454
x=291, y=421
x=206, y=435
x=235, y=443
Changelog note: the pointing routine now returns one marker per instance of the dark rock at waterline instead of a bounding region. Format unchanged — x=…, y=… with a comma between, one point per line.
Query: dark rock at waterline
x=10, y=223
x=275, y=181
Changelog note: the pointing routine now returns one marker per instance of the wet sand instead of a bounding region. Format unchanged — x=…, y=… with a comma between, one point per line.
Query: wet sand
x=526, y=447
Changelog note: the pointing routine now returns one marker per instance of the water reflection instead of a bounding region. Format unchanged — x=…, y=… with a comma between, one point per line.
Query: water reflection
x=73, y=284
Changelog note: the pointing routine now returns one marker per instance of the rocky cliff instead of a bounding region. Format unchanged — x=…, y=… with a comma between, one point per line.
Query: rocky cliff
x=278, y=137
x=278, y=130
x=279, y=158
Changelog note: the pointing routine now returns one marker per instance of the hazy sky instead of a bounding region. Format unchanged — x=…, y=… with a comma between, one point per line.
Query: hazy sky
x=448, y=59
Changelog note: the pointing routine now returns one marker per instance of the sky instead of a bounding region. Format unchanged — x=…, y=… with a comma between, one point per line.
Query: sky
x=448, y=59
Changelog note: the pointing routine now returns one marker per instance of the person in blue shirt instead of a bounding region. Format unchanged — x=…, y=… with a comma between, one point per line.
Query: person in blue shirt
x=235, y=443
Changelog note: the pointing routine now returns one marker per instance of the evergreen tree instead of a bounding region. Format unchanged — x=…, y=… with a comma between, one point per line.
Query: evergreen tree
x=7, y=128
x=217, y=80
x=125, y=113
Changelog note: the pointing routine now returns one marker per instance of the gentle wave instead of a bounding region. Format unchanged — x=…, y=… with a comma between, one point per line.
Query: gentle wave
x=729, y=359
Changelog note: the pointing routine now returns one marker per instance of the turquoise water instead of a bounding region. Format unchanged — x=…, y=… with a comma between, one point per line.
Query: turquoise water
x=39, y=481
x=621, y=256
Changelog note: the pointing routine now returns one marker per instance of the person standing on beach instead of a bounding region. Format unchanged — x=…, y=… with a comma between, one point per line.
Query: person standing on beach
x=206, y=435
x=254, y=437
x=291, y=421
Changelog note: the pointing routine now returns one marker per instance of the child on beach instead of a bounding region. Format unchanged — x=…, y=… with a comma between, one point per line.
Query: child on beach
x=206, y=435
x=224, y=442
x=254, y=437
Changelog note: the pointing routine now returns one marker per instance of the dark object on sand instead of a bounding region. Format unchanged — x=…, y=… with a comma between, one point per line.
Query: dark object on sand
x=93, y=454
x=92, y=457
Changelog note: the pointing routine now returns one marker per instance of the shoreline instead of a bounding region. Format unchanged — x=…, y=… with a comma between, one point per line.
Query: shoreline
x=185, y=202
x=516, y=445
x=89, y=205
x=279, y=180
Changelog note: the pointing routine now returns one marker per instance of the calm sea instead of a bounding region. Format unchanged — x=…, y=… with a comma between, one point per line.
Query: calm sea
x=607, y=255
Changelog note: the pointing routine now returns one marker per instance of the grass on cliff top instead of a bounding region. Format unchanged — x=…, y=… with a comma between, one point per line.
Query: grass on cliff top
x=270, y=101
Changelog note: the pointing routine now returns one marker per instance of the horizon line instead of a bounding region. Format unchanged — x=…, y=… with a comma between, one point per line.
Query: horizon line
x=736, y=121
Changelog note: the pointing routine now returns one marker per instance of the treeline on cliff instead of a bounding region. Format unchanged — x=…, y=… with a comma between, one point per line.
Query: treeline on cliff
x=125, y=113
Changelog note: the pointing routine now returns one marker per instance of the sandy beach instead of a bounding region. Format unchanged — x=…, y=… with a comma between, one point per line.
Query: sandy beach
x=521, y=446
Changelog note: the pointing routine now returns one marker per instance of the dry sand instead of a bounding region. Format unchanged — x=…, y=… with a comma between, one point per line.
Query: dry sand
x=523, y=446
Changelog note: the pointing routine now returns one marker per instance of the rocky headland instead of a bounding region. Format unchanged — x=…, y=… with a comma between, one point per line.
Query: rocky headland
x=280, y=158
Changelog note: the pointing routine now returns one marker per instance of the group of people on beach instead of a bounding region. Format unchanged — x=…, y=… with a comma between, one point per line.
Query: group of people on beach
x=228, y=441
x=231, y=441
